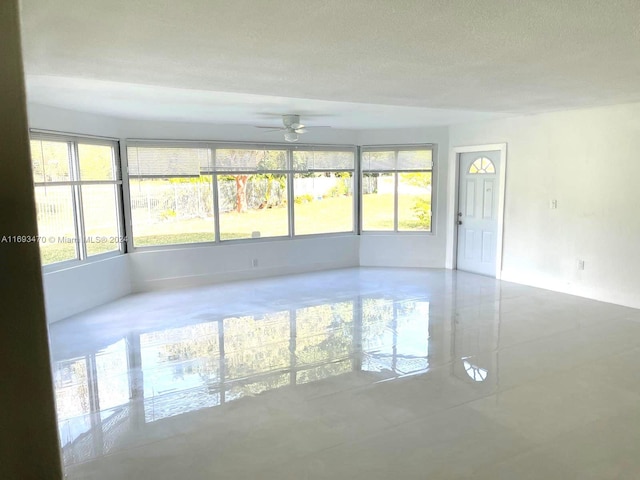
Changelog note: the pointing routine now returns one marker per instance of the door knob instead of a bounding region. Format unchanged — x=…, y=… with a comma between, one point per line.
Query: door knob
x=459, y=222
x=459, y=214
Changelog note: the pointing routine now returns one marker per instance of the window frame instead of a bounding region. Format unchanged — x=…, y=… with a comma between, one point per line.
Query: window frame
x=355, y=187
x=126, y=179
x=123, y=196
x=75, y=182
x=433, y=170
x=289, y=172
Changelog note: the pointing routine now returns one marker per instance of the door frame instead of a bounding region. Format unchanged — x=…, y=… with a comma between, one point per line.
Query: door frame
x=453, y=183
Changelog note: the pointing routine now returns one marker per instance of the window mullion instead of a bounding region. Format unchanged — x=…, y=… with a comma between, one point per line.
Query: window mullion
x=77, y=192
x=395, y=193
x=216, y=200
x=118, y=187
x=357, y=193
x=290, y=194
x=125, y=189
x=80, y=230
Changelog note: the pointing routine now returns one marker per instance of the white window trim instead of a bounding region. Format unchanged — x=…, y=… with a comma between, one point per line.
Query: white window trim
x=77, y=183
x=213, y=145
x=125, y=226
x=434, y=181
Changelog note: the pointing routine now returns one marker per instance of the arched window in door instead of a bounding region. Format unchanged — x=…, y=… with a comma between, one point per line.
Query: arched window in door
x=482, y=165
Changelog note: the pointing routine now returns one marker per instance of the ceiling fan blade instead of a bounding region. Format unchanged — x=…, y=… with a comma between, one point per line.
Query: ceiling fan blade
x=300, y=113
x=318, y=126
x=270, y=128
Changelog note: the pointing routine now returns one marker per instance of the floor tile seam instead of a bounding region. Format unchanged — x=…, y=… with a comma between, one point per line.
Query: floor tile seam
x=549, y=336
x=416, y=419
x=565, y=370
x=541, y=445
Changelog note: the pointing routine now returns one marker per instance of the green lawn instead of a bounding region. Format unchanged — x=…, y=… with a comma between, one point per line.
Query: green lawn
x=377, y=213
x=57, y=252
x=53, y=252
x=329, y=215
x=318, y=216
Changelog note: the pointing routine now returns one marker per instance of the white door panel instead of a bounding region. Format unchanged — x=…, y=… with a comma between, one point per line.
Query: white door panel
x=478, y=211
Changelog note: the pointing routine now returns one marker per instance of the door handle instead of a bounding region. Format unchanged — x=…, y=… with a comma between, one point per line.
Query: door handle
x=459, y=222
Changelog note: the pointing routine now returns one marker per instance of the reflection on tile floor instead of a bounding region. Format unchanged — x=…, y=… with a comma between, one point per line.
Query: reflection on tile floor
x=358, y=373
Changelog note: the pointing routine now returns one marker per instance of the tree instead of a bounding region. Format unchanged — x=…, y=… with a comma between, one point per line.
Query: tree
x=241, y=192
x=232, y=158
x=267, y=161
x=260, y=160
x=271, y=160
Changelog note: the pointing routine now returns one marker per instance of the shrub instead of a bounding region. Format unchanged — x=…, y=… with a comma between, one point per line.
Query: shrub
x=338, y=190
x=306, y=198
x=422, y=208
x=168, y=214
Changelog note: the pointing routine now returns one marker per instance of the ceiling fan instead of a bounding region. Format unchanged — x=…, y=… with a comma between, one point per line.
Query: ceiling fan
x=292, y=127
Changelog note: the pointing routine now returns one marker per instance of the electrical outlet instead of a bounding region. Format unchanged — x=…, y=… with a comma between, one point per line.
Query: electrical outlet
x=580, y=264
x=254, y=262
x=553, y=204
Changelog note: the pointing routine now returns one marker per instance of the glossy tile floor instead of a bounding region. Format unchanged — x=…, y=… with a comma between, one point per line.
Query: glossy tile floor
x=351, y=374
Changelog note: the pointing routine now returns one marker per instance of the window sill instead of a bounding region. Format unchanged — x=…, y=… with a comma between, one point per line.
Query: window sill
x=73, y=264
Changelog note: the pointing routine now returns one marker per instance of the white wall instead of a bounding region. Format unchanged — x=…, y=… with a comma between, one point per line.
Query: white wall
x=586, y=159
x=76, y=289
x=411, y=250
x=589, y=161
x=191, y=266
x=81, y=287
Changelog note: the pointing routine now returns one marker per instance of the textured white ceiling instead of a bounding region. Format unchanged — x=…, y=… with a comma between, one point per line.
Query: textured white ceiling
x=516, y=56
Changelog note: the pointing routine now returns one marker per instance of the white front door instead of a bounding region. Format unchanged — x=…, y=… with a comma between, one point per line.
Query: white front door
x=478, y=191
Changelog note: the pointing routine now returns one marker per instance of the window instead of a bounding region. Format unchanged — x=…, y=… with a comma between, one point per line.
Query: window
x=396, y=188
x=171, y=195
x=78, y=191
x=323, y=191
x=252, y=193
x=482, y=165
x=183, y=194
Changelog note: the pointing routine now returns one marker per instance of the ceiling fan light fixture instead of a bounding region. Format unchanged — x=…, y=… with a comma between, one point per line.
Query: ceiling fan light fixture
x=290, y=120
x=291, y=136
x=291, y=127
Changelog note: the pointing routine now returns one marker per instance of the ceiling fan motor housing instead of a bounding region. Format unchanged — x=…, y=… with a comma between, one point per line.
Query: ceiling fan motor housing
x=291, y=121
